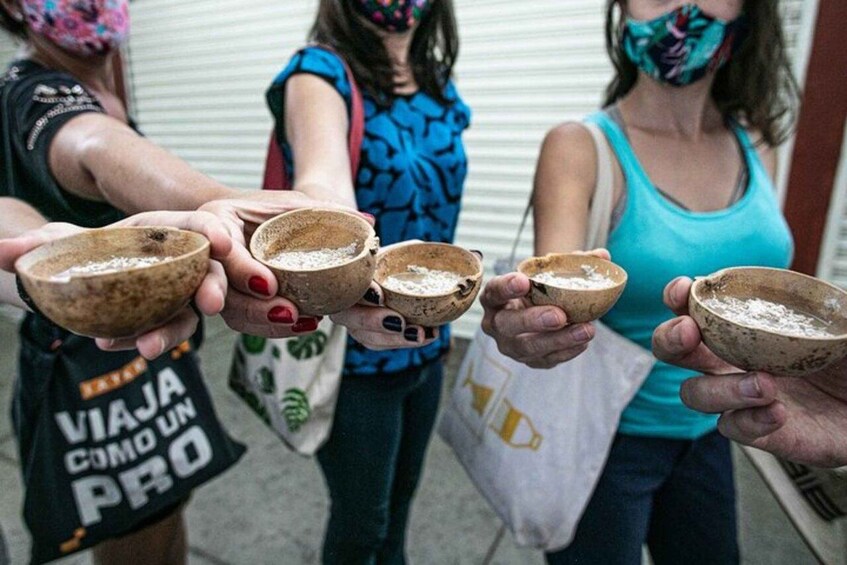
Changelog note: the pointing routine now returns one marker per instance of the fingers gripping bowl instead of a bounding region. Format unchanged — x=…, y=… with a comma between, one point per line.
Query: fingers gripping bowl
x=115, y=282
x=585, y=287
x=324, y=260
x=773, y=320
x=429, y=284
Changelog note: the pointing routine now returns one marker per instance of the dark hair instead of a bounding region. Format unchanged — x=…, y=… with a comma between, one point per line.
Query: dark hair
x=756, y=88
x=434, y=49
x=12, y=26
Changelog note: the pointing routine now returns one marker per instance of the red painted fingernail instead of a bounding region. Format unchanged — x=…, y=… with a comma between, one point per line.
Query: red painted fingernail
x=305, y=325
x=281, y=315
x=259, y=286
x=368, y=216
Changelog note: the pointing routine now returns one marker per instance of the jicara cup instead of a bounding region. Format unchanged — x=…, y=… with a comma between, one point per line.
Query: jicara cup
x=319, y=290
x=753, y=348
x=427, y=309
x=580, y=304
x=132, y=297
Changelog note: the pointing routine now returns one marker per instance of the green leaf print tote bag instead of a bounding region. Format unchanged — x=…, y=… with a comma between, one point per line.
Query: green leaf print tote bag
x=292, y=384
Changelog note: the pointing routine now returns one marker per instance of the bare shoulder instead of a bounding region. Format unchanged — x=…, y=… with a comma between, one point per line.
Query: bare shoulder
x=568, y=150
x=767, y=153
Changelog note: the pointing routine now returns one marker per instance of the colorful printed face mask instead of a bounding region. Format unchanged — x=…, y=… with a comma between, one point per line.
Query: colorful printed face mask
x=393, y=15
x=82, y=27
x=680, y=47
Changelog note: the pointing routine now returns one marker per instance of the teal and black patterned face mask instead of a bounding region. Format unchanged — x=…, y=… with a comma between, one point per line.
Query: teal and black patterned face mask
x=682, y=46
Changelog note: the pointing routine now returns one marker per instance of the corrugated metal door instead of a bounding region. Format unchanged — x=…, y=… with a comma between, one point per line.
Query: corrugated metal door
x=833, y=261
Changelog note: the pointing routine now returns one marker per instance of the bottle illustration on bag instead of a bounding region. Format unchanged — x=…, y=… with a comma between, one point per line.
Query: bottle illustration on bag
x=514, y=427
x=480, y=394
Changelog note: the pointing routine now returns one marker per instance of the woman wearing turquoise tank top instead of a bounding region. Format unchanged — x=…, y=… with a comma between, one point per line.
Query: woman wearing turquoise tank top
x=692, y=117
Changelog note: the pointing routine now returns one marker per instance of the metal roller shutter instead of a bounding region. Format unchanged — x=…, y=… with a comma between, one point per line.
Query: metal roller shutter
x=833, y=261
x=200, y=69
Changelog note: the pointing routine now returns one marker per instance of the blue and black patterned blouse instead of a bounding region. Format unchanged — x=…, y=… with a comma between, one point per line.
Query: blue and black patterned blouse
x=412, y=173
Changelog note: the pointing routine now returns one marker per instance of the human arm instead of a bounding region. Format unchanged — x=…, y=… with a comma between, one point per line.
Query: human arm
x=797, y=418
x=539, y=336
x=316, y=126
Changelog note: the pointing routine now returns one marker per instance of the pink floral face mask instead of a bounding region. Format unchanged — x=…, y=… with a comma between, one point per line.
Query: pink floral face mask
x=82, y=27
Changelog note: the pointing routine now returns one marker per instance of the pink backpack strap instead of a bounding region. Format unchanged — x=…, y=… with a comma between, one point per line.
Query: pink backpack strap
x=277, y=177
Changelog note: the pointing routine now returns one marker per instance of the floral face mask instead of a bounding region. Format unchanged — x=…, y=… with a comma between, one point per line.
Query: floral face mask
x=682, y=46
x=393, y=15
x=82, y=27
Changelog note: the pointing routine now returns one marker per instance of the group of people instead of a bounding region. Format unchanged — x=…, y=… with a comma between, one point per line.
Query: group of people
x=702, y=95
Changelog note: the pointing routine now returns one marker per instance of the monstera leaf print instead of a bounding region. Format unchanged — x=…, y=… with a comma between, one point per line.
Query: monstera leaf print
x=307, y=346
x=295, y=408
x=253, y=344
x=265, y=380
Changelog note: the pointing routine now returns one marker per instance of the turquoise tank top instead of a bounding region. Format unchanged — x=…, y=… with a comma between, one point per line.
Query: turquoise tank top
x=657, y=241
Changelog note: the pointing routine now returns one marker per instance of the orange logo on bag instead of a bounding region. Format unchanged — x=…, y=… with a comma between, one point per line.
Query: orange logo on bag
x=73, y=543
x=114, y=380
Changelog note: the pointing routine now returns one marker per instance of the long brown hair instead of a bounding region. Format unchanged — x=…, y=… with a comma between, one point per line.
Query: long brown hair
x=434, y=49
x=756, y=88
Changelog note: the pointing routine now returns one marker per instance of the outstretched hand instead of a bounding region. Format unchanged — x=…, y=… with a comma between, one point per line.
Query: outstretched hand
x=801, y=419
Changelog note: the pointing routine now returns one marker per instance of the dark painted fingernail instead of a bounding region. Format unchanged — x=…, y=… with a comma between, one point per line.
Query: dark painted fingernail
x=581, y=334
x=429, y=333
x=281, y=315
x=750, y=388
x=411, y=334
x=305, y=325
x=372, y=296
x=478, y=252
x=259, y=286
x=392, y=323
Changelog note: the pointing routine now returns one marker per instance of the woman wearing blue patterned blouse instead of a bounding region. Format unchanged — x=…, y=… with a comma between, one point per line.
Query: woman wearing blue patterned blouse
x=410, y=177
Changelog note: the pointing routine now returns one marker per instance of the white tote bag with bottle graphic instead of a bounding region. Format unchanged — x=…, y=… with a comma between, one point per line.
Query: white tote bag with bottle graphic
x=534, y=441
x=292, y=383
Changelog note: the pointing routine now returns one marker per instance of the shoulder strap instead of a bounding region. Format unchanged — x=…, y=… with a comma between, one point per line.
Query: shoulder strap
x=600, y=215
x=277, y=177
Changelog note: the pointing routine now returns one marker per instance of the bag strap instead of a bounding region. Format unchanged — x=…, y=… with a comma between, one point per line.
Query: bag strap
x=602, y=202
x=277, y=177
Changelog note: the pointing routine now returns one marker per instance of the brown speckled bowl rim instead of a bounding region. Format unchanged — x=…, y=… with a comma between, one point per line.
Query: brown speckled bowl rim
x=551, y=256
x=476, y=277
x=44, y=248
x=266, y=224
x=698, y=281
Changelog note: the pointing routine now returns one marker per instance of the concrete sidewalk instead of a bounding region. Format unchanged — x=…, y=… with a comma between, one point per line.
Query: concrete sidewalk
x=271, y=508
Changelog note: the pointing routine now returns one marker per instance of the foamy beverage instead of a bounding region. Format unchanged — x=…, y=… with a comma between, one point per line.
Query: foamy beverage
x=769, y=316
x=589, y=280
x=421, y=281
x=112, y=265
x=313, y=259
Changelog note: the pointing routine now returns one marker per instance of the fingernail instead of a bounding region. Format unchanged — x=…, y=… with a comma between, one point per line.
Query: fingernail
x=581, y=334
x=162, y=346
x=368, y=216
x=429, y=333
x=392, y=323
x=411, y=334
x=750, y=388
x=259, y=286
x=281, y=315
x=478, y=252
x=550, y=320
x=679, y=294
x=372, y=296
x=514, y=287
x=675, y=336
x=305, y=325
